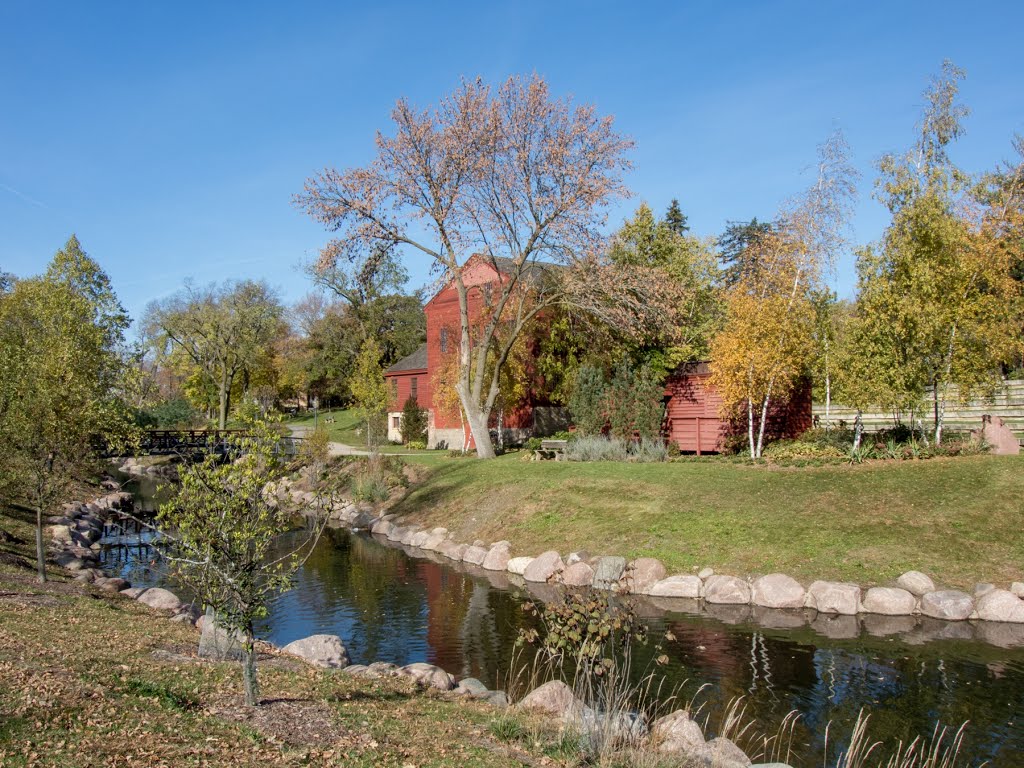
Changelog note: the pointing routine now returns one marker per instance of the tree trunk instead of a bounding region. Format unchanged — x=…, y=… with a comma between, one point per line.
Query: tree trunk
x=501, y=437
x=481, y=435
x=858, y=429
x=764, y=420
x=225, y=395
x=750, y=428
x=40, y=551
x=252, y=686
x=828, y=397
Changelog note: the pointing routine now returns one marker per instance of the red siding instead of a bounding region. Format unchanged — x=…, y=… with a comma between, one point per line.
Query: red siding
x=694, y=422
x=403, y=380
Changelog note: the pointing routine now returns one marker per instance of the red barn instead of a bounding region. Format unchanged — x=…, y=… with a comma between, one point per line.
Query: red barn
x=414, y=374
x=693, y=419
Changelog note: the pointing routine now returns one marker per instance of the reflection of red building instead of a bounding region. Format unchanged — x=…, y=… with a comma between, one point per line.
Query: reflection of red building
x=413, y=376
x=693, y=418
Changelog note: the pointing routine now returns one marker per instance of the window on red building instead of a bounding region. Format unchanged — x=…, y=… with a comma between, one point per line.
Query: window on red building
x=444, y=340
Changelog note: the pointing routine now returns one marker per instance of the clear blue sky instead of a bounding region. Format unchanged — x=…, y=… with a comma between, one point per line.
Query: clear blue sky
x=171, y=136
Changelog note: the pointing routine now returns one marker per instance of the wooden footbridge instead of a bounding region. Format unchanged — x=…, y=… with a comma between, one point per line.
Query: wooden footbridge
x=193, y=442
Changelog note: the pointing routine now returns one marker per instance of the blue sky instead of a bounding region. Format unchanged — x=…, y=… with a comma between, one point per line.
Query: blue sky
x=171, y=136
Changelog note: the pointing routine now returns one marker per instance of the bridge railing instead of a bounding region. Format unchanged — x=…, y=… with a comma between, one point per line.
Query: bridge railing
x=165, y=442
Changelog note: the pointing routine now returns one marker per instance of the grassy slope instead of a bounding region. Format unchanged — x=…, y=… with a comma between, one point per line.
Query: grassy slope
x=344, y=430
x=88, y=678
x=957, y=519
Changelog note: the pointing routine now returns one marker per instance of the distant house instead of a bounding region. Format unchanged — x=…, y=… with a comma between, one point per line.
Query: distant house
x=414, y=375
x=693, y=419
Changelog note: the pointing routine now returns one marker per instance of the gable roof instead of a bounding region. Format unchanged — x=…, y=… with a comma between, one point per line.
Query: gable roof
x=417, y=361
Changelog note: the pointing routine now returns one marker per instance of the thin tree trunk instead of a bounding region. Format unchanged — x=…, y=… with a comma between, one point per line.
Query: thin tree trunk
x=40, y=552
x=750, y=427
x=828, y=398
x=252, y=686
x=764, y=420
x=225, y=393
x=858, y=429
x=501, y=437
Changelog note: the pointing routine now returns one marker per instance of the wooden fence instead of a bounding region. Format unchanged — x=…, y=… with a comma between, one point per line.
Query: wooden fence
x=1007, y=404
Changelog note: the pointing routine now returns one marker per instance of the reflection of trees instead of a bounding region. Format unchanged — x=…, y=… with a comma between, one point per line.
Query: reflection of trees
x=388, y=606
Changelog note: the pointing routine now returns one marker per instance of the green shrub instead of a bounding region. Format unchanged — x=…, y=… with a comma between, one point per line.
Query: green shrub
x=587, y=401
x=414, y=422
x=417, y=445
x=596, y=448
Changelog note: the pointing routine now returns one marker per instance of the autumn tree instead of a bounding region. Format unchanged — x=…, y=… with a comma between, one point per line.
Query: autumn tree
x=64, y=380
x=737, y=245
x=767, y=344
x=225, y=333
x=939, y=305
x=511, y=174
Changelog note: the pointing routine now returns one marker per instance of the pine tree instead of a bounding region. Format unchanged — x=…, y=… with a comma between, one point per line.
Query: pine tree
x=675, y=219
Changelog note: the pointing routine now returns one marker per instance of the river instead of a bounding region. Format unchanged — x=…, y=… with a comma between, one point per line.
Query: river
x=389, y=605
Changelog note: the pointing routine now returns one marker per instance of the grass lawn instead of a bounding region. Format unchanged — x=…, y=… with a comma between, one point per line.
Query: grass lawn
x=347, y=428
x=960, y=520
x=90, y=678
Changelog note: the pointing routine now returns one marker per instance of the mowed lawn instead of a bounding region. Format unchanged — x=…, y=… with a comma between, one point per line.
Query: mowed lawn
x=959, y=520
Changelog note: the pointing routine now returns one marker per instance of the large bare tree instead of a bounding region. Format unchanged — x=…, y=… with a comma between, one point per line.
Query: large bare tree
x=513, y=174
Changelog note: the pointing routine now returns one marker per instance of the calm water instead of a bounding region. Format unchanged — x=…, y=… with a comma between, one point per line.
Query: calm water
x=388, y=605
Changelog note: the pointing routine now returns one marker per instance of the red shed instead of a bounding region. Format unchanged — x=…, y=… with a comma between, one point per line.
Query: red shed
x=693, y=418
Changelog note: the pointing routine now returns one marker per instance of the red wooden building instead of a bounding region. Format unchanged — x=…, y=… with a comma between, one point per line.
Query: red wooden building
x=414, y=374
x=693, y=418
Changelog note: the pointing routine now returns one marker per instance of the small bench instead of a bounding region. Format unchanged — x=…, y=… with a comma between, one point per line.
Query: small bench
x=553, y=449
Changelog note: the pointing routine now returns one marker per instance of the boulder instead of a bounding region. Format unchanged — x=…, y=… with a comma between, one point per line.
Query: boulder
x=1001, y=605
x=381, y=527
x=724, y=752
x=497, y=699
x=133, y=592
x=678, y=586
x=408, y=535
x=982, y=589
x=644, y=573
x=608, y=570
x=418, y=539
x=554, y=698
x=429, y=676
x=396, y=532
x=470, y=686
x=706, y=573
x=776, y=590
x=947, y=604
x=454, y=551
x=544, y=567
x=577, y=556
x=434, y=539
x=498, y=557
x=161, y=599
x=1017, y=588
x=579, y=574
x=111, y=584
x=676, y=733
x=834, y=597
x=517, y=565
x=216, y=642
x=726, y=590
x=320, y=651
x=916, y=583
x=474, y=555
x=60, y=533
x=889, y=601
x=383, y=669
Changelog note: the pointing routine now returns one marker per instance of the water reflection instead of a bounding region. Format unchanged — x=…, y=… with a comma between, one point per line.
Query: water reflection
x=388, y=605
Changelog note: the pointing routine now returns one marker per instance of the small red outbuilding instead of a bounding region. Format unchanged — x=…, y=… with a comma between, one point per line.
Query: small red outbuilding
x=693, y=418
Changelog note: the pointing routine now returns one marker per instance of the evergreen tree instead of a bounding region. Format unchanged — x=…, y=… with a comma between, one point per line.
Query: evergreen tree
x=737, y=247
x=414, y=421
x=675, y=219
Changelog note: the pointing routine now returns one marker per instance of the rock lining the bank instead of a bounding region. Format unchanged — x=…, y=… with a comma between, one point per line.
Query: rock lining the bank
x=913, y=594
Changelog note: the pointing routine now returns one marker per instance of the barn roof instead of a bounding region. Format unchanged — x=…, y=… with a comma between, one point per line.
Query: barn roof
x=417, y=361
x=693, y=368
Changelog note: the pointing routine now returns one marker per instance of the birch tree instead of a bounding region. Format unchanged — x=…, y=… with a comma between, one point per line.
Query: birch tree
x=938, y=295
x=513, y=174
x=767, y=344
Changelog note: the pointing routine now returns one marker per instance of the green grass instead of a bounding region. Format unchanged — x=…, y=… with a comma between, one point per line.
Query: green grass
x=959, y=520
x=347, y=428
